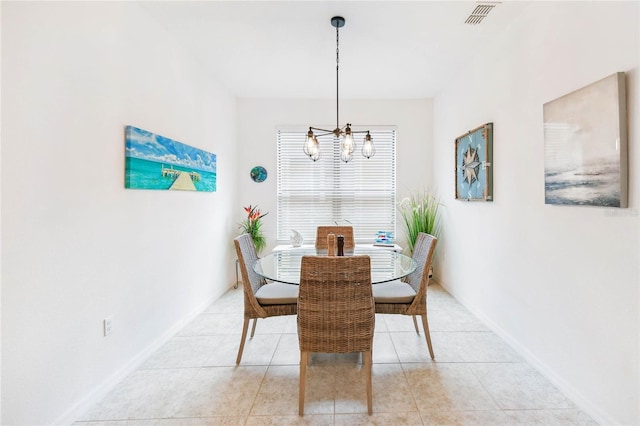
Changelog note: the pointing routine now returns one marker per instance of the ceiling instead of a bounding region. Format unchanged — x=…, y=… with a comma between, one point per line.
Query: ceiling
x=287, y=49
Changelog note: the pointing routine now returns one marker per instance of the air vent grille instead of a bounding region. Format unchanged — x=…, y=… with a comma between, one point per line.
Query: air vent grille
x=480, y=12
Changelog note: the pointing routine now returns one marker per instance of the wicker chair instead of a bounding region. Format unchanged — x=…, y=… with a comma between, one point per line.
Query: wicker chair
x=261, y=300
x=409, y=296
x=335, y=312
x=323, y=231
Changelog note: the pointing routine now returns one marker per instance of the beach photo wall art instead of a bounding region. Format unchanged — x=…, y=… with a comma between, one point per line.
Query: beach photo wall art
x=474, y=167
x=156, y=162
x=585, y=145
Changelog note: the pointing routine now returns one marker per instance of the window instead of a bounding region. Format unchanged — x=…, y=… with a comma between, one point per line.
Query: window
x=361, y=192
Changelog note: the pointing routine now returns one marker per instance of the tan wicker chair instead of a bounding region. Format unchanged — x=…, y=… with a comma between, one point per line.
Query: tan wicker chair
x=261, y=300
x=323, y=231
x=409, y=296
x=335, y=312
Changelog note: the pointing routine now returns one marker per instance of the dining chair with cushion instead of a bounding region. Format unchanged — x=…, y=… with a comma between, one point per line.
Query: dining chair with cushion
x=323, y=231
x=336, y=312
x=261, y=299
x=409, y=295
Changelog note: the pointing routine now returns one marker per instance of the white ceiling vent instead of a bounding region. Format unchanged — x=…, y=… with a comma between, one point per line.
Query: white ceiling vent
x=480, y=12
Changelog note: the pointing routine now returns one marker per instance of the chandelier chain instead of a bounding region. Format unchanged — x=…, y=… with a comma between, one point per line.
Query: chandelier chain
x=337, y=46
x=342, y=135
x=337, y=77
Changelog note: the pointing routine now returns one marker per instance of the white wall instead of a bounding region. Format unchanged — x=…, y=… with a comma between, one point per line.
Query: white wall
x=0, y=221
x=560, y=282
x=76, y=246
x=259, y=118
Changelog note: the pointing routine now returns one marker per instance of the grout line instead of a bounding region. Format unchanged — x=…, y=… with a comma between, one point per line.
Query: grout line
x=422, y=414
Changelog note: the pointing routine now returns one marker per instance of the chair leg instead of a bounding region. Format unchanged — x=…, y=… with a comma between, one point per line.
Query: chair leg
x=242, y=339
x=367, y=361
x=415, y=324
x=303, y=371
x=425, y=325
x=253, y=329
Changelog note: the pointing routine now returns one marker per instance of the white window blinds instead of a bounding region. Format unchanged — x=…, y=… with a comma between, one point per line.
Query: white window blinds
x=361, y=192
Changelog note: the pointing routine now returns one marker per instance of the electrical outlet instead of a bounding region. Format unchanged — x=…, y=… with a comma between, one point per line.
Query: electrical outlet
x=107, y=324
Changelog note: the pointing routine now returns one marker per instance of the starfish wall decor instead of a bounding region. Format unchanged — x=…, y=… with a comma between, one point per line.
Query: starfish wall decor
x=474, y=177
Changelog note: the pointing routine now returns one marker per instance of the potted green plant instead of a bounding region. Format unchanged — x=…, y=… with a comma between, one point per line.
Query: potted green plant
x=252, y=225
x=420, y=213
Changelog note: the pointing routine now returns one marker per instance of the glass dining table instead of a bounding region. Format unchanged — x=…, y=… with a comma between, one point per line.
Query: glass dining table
x=284, y=266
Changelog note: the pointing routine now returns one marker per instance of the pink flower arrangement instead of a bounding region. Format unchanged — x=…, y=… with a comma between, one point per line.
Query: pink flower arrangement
x=252, y=225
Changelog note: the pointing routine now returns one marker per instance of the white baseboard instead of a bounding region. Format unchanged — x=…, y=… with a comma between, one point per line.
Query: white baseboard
x=84, y=404
x=570, y=391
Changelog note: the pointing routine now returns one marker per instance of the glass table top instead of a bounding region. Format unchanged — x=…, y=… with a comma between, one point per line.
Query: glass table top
x=284, y=266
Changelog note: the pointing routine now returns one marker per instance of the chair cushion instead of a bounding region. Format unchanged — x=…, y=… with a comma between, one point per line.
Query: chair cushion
x=277, y=294
x=393, y=292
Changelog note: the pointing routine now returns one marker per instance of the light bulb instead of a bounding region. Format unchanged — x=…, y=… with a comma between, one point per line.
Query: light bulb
x=311, y=144
x=368, y=150
x=348, y=144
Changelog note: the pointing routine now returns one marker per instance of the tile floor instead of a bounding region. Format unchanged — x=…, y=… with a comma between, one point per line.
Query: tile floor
x=476, y=379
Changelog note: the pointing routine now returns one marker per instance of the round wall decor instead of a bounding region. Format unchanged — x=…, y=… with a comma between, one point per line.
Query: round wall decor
x=259, y=174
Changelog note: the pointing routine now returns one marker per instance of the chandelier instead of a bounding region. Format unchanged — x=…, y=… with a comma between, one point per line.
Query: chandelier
x=343, y=134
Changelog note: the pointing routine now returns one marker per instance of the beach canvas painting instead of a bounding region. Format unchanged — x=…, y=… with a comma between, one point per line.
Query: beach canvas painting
x=156, y=162
x=585, y=146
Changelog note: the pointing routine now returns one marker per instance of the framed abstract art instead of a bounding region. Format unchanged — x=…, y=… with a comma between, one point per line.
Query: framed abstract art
x=474, y=168
x=585, y=145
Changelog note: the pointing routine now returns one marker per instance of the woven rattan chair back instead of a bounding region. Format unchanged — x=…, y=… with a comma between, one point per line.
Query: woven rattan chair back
x=423, y=250
x=419, y=280
x=346, y=231
x=247, y=257
x=336, y=311
x=251, y=282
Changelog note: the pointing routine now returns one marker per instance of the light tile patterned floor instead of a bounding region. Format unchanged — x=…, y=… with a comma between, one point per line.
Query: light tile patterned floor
x=476, y=379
